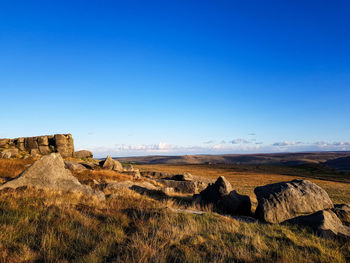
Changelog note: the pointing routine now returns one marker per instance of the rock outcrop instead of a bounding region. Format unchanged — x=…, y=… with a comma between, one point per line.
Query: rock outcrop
x=40, y=145
x=224, y=199
x=325, y=223
x=285, y=200
x=50, y=173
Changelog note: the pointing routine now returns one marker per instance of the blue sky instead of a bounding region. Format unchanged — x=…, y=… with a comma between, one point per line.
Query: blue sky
x=178, y=77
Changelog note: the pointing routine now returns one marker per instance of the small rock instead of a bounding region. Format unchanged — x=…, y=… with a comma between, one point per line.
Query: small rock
x=110, y=164
x=182, y=177
x=5, y=155
x=325, y=223
x=75, y=167
x=343, y=213
x=83, y=154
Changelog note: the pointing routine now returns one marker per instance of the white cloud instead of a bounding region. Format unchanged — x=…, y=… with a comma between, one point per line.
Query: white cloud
x=240, y=146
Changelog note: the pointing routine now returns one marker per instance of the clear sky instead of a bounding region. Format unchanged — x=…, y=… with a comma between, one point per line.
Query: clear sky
x=178, y=77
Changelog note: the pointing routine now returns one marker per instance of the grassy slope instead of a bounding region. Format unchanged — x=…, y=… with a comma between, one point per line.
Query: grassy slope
x=37, y=225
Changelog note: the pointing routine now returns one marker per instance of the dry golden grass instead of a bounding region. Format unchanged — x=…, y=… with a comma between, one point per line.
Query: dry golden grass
x=245, y=181
x=10, y=168
x=43, y=226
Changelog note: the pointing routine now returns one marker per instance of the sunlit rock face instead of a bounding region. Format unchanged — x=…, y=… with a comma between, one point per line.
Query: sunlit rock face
x=40, y=145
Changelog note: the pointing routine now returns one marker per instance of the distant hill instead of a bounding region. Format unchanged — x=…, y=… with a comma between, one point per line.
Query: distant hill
x=332, y=159
x=342, y=163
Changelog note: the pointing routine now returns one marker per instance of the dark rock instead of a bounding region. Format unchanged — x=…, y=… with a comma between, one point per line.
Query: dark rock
x=223, y=199
x=282, y=201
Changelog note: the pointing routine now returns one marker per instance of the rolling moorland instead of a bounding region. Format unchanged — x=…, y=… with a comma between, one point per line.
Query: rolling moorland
x=137, y=219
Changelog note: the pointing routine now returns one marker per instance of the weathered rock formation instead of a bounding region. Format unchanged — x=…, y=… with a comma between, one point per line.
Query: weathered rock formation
x=41, y=145
x=325, y=223
x=223, y=199
x=282, y=201
x=50, y=173
x=343, y=213
x=111, y=164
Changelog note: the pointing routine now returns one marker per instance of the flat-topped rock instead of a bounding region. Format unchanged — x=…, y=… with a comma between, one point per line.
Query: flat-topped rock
x=41, y=145
x=83, y=154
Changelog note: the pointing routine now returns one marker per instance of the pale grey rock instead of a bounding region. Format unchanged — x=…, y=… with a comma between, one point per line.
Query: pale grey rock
x=282, y=201
x=110, y=164
x=83, y=154
x=50, y=173
x=325, y=223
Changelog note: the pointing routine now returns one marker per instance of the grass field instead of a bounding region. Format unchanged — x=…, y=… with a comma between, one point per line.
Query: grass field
x=245, y=179
x=44, y=226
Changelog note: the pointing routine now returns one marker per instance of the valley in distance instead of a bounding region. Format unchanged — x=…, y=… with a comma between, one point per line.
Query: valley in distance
x=62, y=205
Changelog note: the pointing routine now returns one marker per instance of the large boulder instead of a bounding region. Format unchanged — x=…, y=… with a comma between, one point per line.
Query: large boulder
x=50, y=173
x=325, y=223
x=343, y=213
x=83, y=154
x=110, y=164
x=223, y=199
x=282, y=201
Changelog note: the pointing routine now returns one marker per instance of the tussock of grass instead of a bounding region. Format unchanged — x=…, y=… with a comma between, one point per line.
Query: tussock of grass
x=10, y=168
x=37, y=225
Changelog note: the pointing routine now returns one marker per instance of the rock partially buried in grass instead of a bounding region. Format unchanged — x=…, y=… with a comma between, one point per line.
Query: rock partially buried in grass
x=223, y=199
x=343, y=213
x=50, y=173
x=325, y=223
x=282, y=201
x=182, y=177
x=75, y=167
